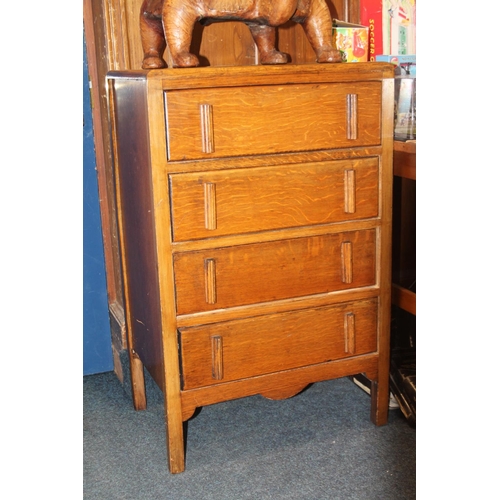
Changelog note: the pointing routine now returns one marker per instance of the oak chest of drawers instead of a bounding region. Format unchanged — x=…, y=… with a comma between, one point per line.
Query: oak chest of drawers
x=255, y=221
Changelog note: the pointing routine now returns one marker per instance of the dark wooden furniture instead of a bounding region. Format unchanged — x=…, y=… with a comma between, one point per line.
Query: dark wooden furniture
x=403, y=380
x=255, y=209
x=404, y=263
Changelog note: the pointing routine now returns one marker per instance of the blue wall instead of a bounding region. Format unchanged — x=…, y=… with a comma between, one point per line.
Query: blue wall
x=97, y=355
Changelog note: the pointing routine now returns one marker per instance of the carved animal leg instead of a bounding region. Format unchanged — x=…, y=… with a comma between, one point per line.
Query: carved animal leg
x=317, y=24
x=178, y=22
x=265, y=38
x=152, y=38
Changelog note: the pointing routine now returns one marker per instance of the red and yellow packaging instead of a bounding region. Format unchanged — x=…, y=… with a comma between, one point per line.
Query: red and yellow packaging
x=351, y=40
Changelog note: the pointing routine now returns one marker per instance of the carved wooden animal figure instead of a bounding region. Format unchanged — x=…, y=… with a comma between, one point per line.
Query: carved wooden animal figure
x=172, y=22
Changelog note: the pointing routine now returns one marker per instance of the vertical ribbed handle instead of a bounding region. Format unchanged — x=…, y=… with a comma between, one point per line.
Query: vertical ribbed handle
x=207, y=128
x=210, y=206
x=352, y=116
x=349, y=191
x=346, y=258
x=349, y=333
x=217, y=361
x=210, y=285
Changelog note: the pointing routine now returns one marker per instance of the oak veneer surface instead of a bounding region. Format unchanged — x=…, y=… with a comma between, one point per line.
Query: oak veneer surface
x=256, y=346
x=275, y=270
x=263, y=198
x=276, y=118
x=255, y=228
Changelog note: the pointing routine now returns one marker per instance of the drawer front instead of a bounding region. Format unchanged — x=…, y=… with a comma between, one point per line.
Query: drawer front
x=239, y=349
x=262, y=272
x=222, y=122
x=209, y=204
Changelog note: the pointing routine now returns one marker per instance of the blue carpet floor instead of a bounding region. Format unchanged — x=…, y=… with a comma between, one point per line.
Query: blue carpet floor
x=317, y=445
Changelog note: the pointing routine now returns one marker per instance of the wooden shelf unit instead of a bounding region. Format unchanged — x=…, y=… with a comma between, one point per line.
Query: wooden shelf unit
x=405, y=167
x=405, y=154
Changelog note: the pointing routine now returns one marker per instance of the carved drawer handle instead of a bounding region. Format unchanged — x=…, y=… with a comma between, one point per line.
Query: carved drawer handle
x=217, y=362
x=210, y=285
x=210, y=206
x=349, y=191
x=346, y=257
x=349, y=333
x=207, y=128
x=352, y=116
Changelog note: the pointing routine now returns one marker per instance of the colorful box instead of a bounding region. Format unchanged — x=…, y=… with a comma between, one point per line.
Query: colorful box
x=371, y=15
x=397, y=59
x=392, y=26
x=408, y=62
x=351, y=40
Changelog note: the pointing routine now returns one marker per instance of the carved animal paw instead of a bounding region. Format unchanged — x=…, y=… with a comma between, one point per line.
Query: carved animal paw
x=328, y=55
x=274, y=57
x=153, y=62
x=185, y=60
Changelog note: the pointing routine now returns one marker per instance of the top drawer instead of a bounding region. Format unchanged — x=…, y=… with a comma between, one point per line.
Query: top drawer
x=222, y=122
